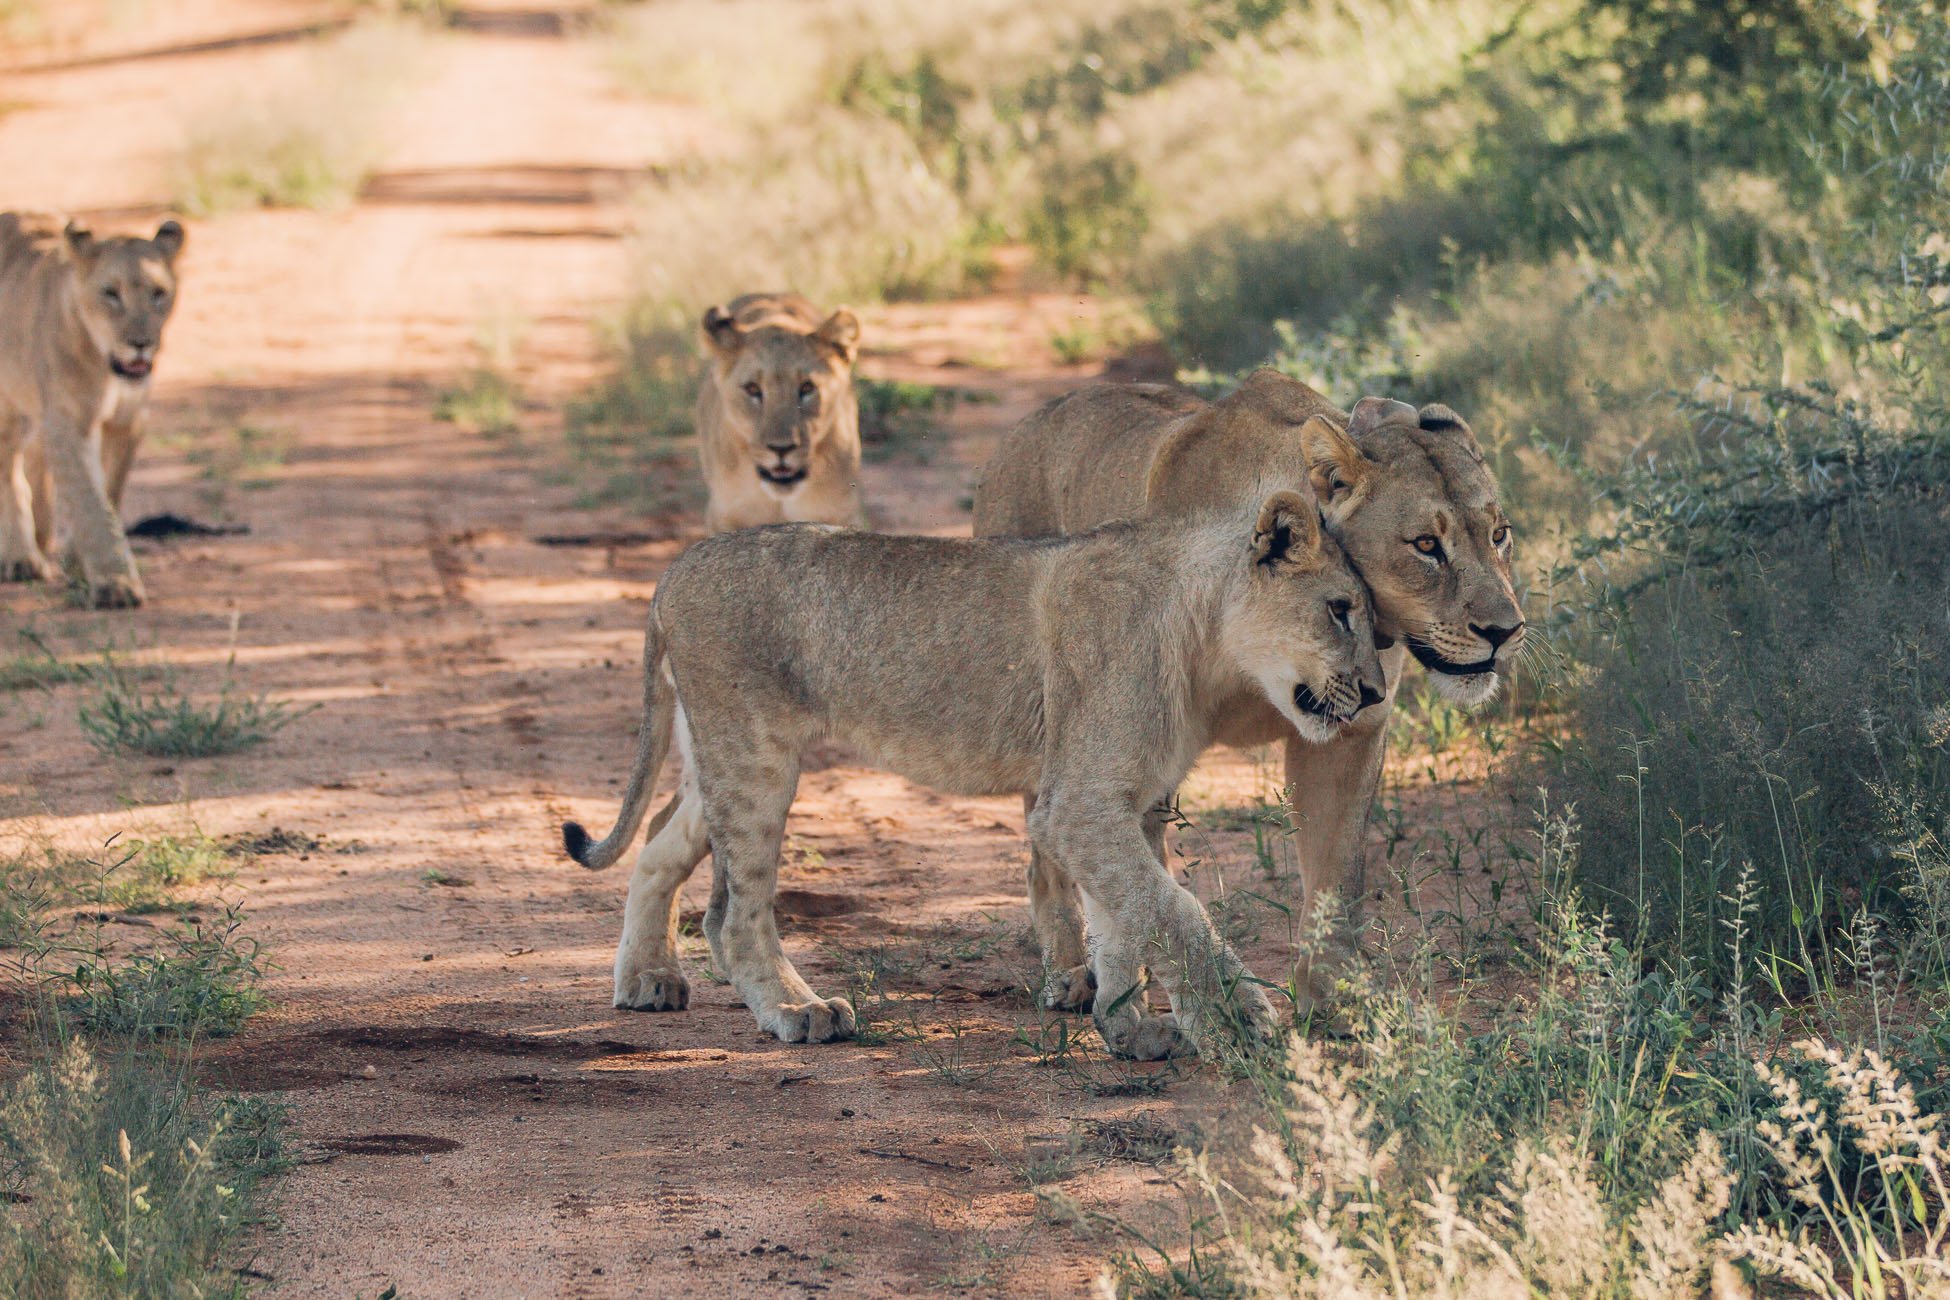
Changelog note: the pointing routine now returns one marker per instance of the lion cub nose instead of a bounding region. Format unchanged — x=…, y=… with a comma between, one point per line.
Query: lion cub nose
x=1369, y=695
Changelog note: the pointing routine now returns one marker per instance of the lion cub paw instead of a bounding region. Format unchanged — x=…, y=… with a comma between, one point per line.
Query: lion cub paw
x=1074, y=989
x=812, y=1022
x=653, y=990
x=115, y=591
x=29, y=569
x=1153, y=1038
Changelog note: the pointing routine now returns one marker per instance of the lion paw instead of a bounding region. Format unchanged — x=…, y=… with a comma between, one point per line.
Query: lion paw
x=1152, y=1038
x=818, y=1021
x=29, y=568
x=656, y=989
x=1074, y=989
x=115, y=591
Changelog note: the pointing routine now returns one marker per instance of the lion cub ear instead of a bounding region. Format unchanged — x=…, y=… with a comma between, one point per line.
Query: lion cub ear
x=80, y=239
x=841, y=332
x=1335, y=465
x=720, y=332
x=1288, y=531
x=169, y=239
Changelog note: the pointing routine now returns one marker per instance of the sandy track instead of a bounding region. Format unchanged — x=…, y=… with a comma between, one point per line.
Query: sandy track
x=475, y=687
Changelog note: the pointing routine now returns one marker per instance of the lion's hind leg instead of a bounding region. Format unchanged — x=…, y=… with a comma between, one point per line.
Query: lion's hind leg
x=649, y=974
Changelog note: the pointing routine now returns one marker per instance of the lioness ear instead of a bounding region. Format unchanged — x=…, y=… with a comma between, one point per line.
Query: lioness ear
x=1335, y=465
x=169, y=239
x=841, y=332
x=720, y=332
x=1437, y=418
x=1371, y=413
x=80, y=239
x=1288, y=531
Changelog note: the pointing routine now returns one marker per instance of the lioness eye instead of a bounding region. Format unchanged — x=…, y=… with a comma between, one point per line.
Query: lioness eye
x=1501, y=535
x=156, y=296
x=113, y=295
x=1340, y=609
x=1427, y=545
x=753, y=391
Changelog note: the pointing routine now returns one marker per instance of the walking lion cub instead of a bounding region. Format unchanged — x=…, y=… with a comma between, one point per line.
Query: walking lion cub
x=1090, y=671
x=81, y=320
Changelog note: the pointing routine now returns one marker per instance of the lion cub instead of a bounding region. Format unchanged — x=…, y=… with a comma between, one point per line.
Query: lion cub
x=778, y=430
x=1089, y=670
x=81, y=320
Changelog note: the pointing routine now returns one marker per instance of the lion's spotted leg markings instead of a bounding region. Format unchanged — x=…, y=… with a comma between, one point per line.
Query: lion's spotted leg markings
x=649, y=974
x=745, y=808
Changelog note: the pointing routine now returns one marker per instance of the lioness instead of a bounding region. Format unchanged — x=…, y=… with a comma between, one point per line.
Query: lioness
x=778, y=430
x=1407, y=493
x=81, y=319
x=1091, y=670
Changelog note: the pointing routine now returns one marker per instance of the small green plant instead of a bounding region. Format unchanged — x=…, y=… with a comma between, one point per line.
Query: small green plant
x=200, y=981
x=37, y=668
x=124, y=714
x=485, y=402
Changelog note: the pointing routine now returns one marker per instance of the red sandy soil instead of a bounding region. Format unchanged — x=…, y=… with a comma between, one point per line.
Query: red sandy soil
x=474, y=687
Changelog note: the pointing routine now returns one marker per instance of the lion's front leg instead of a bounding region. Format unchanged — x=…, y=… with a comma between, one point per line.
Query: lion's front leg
x=21, y=556
x=1330, y=790
x=1140, y=917
x=92, y=527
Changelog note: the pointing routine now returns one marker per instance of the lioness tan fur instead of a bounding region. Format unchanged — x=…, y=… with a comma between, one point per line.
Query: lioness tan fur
x=81, y=320
x=1089, y=670
x=1406, y=492
x=778, y=428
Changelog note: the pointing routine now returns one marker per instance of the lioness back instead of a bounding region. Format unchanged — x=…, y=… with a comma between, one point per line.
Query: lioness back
x=777, y=421
x=81, y=321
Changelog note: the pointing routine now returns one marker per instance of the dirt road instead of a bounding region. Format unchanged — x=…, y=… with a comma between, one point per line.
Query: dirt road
x=474, y=687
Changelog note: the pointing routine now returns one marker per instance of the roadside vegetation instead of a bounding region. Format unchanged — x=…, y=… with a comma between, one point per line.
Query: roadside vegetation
x=313, y=142
x=124, y=1173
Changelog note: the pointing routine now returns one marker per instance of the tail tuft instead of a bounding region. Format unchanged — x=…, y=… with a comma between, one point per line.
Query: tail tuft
x=575, y=840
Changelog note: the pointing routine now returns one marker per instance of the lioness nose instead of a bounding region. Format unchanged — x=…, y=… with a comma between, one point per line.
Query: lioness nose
x=1369, y=695
x=1495, y=635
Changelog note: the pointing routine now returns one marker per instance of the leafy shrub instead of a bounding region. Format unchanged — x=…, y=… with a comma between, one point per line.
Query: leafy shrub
x=201, y=981
x=125, y=714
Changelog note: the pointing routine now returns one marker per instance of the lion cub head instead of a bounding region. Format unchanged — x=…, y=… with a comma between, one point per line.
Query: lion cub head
x=784, y=378
x=1409, y=495
x=1303, y=627
x=127, y=288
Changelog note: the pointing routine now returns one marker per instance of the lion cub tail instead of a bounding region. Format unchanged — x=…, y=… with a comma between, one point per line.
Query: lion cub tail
x=652, y=743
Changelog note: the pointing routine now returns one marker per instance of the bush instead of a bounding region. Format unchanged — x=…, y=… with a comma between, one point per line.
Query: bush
x=127, y=715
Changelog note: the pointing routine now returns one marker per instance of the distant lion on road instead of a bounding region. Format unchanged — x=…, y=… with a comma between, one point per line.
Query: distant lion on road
x=778, y=427
x=81, y=321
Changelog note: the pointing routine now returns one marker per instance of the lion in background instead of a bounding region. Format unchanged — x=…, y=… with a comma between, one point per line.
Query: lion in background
x=1407, y=492
x=81, y=321
x=778, y=428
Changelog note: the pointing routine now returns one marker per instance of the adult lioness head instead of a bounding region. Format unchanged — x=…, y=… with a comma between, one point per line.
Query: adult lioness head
x=783, y=391
x=1303, y=626
x=1410, y=497
x=126, y=289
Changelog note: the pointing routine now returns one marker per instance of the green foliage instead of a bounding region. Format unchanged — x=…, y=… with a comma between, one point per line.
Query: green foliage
x=201, y=981
x=127, y=1178
x=126, y=714
x=486, y=402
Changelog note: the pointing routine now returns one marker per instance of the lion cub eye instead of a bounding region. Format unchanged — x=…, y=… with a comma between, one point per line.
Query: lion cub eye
x=112, y=296
x=1340, y=609
x=807, y=390
x=753, y=390
x=1428, y=545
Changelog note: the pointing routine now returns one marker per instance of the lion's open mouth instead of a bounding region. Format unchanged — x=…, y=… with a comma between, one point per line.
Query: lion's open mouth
x=1435, y=663
x=781, y=475
x=136, y=369
x=1307, y=702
